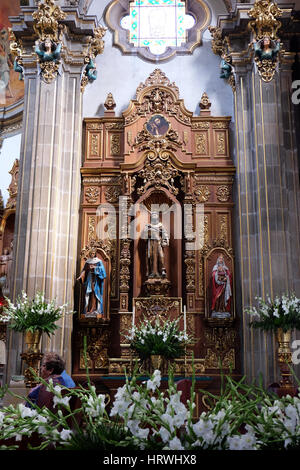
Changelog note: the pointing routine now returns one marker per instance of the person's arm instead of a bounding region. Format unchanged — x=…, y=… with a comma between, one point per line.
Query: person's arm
x=257, y=48
x=56, y=53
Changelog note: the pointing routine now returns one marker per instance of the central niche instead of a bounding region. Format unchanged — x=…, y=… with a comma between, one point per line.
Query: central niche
x=158, y=246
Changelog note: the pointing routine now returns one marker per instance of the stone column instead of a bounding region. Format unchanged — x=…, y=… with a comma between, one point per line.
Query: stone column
x=267, y=225
x=46, y=231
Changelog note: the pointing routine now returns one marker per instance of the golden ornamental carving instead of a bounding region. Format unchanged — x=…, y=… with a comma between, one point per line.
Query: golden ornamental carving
x=125, y=261
x=214, y=361
x=146, y=141
x=158, y=171
x=220, y=125
x=156, y=307
x=202, y=193
x=205, y=103
x=157, y=94
x=125, y=325
x=216, y=243
x=112, y=194
x=266, y=45
x=94, y=126
x=13, y=187
x=92, y=194
x=190, y=263
x=223, y=193
x=159, y=79
x=221, y=47
x=105, y=246
x=94, y=48
x=117, y=126
x=265, y=22
x=186, y=367
x=109, y=103
x=220, y=144
x=49, y=71
x=97, y=346
x=204, y=232
x=201, y=143
x=49, y=31
x=92, y=228
x=46, y=20
x=217, y=42
x=115, y=144
x=223, y=230
x=201, y=278
x=220, y=343
x=94, y=145
x=201, y=125
x=266, y=69
x=16, y=50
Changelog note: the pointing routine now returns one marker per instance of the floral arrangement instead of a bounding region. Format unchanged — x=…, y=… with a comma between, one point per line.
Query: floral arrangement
x=283, y=312
x=244, y=417
x=32, y=315
x=158, y=337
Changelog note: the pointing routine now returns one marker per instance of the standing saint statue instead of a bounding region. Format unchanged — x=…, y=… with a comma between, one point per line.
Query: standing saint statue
x=92, y=277
x=221, y=280
x=157, y=238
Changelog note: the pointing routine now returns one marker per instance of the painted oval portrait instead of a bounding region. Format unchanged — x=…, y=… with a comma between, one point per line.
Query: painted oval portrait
x=157, y=125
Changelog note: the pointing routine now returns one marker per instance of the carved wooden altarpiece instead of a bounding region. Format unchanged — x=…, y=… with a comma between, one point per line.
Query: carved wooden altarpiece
x=156, y=154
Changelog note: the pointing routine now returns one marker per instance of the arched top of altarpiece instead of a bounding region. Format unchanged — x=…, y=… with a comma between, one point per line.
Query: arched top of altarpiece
x=157, y=95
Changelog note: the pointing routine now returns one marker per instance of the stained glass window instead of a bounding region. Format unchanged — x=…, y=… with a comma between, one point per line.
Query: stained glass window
x=157, y=24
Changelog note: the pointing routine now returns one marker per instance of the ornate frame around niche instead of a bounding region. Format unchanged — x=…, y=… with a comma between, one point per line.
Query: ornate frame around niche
x=116, y=10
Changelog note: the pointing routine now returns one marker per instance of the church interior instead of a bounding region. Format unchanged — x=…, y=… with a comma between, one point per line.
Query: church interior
x=149, y=155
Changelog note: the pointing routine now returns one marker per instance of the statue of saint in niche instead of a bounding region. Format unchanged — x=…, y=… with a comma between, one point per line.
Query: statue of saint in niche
x=221, y=281
x=92, y=277
x=157, y=125
x=157, y=238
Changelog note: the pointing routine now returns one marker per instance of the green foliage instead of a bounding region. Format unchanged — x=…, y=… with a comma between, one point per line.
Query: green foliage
x=283, y=312
x=33, y=315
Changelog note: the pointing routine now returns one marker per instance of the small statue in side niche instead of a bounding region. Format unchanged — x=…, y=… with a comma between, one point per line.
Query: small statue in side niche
x=226, y=67
x=92, y=277
x=18, y=67
x=90, y=69
x=157, y=238
x=221, y=282
x=264, y=50
x=48, y=51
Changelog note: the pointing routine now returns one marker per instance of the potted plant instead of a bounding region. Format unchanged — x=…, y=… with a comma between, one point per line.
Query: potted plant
x=158, y=340
x=33, y=317
x=281, y=316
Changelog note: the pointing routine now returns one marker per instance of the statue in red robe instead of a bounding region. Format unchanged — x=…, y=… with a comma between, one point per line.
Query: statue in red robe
x=221, y=282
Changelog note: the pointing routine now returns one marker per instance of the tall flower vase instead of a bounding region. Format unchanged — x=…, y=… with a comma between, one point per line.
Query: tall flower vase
x=32, y=356
x=284, y=358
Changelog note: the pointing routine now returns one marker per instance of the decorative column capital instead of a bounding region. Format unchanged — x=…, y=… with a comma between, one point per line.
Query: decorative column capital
x=52, y=33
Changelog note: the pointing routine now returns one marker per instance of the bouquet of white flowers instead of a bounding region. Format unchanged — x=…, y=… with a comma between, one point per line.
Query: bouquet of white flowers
x=33, y=315
x=158, y=337
x=283, y=312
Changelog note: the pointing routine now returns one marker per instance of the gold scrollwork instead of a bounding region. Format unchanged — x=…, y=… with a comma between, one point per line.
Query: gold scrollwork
x=202, y=193
x=115, y=145
x=201, y=143
x=223, y=193
x=92, y=194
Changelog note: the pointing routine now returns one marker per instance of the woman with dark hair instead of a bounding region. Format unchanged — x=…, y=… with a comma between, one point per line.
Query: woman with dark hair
x=51, y=368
